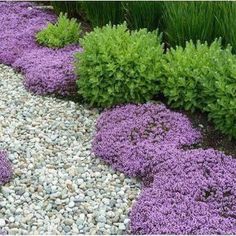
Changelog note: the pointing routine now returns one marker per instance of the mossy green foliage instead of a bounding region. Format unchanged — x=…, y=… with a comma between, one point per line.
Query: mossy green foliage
x=203, y=77
x=119, y=66
x=66, y=31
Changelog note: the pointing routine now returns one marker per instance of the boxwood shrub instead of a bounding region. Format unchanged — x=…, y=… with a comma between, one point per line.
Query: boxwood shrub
x=186, y=69
x=222, y=108
x=203, y=77
x=119, y=66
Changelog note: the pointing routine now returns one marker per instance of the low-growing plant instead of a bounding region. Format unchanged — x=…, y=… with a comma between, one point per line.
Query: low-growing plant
x=131, y=137
x=119, y=66
x=65, y=31
x=194, y=184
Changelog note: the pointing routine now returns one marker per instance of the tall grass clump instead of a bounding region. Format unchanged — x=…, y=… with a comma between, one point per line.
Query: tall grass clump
x=184, y=21
x=101, y=13
x=72, y=8
x=142, y=14
x=225, y=15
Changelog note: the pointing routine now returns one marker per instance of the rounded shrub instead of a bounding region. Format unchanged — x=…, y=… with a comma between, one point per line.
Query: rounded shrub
x=193, y=192
x=129, y=136
x=222, y=106
x=64, y=32
x=186, y=69
x=203, y=77
x=119, y=66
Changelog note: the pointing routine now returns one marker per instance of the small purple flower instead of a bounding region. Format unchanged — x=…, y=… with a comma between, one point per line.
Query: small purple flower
x=19, y=24
x=5, y=168
x=49, y=71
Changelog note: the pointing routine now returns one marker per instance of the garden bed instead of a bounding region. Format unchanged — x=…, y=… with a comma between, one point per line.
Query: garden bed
x=59, y=148
x=210, y=136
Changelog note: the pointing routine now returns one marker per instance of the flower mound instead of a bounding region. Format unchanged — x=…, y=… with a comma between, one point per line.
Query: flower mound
x=46, y=70
x=19, y=23
x=49, y=71
x=5, y=168
x=127, y=136
x=193, y=192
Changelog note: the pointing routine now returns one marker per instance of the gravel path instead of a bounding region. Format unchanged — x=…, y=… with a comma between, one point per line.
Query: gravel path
x=58, y=187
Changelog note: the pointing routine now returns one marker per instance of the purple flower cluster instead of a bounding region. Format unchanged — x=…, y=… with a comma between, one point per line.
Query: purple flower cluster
x=5, y=168
x=19, y=23
x=193, y=192
x=184, y=191
x=49, y=71
x=46, y=70
x=129, y=137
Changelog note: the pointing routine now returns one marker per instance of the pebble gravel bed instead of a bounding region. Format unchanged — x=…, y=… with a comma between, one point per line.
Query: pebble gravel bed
x=58, y=186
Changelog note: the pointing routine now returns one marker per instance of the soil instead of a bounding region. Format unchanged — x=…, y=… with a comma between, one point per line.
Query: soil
x=211, y=138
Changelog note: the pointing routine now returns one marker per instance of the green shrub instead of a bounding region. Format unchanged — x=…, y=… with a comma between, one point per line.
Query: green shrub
x=223, y=111
x=186, y=69
x=203, y=77
x=119, y=66
x=65, y=31
x=222, y=106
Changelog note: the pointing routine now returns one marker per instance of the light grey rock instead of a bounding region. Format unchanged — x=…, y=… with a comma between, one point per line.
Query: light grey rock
x=68, y=222
x=71, y=204
x=2, y=222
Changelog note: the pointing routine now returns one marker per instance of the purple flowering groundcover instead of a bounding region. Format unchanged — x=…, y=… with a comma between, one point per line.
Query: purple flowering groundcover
x=19, y=24
x=5, y=168
x=184, y=191
x=193, y=192
x=46, y=70
x=129, y=136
